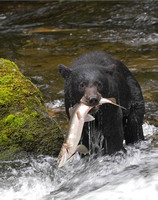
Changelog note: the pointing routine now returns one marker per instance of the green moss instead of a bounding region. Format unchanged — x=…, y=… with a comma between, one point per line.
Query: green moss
x=3, y=138
x=14, y=122
x=35, y=114
x=8, y=64
x=24, y=122
x=6, y=97
x=6, y=80
x=14, y=87
x=9, y=119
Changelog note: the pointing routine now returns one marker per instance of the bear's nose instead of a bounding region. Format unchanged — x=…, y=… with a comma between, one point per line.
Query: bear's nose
x=93, y=101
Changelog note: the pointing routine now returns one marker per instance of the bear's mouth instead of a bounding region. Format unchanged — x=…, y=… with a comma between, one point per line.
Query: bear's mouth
x=94, y=110
x=91, y=101
x=95, y=107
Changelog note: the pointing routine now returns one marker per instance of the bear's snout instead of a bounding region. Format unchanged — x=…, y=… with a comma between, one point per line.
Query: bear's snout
x=91, y=96
x=93, y=101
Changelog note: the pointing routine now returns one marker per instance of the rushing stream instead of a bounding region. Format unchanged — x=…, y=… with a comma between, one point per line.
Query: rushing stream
x=38, y=36
x=122, y=176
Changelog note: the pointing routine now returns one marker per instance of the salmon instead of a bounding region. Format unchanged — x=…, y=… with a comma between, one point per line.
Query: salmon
x=78, y=117
x=70, y=146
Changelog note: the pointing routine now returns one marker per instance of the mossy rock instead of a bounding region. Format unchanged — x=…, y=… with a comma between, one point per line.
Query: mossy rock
x=24, y=123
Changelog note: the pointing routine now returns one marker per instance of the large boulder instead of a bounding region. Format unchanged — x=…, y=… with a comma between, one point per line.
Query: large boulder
x=25, y=125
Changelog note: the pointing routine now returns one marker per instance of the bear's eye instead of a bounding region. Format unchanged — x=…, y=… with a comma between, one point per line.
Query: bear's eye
x=82, y=86
x=99, y=85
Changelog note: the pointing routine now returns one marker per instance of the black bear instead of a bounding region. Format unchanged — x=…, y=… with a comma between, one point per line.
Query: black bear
x=95, y=75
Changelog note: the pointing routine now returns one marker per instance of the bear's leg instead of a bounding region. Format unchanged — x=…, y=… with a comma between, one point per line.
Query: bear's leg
x=85, y=136
x=133, y=125
x=113, y=130
x=108, y=128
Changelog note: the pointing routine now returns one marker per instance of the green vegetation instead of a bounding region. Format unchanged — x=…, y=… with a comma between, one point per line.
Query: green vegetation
x=24, y=122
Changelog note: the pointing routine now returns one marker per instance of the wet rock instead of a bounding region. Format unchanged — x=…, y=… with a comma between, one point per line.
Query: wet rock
x=25, y=125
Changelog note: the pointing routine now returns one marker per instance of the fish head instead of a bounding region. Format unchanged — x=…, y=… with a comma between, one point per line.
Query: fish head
x=65, y=153
x=63, y=156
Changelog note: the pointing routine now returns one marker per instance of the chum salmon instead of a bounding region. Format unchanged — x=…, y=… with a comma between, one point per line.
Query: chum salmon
x=78, y=116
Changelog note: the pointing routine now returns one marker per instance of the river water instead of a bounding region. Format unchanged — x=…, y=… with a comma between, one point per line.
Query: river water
x=40, y=35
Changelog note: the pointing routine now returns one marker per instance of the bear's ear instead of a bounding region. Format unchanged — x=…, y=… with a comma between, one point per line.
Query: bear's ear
x=64, y=71
x=110, y=69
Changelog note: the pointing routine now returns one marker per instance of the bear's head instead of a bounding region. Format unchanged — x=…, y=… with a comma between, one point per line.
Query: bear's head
x=88, y=81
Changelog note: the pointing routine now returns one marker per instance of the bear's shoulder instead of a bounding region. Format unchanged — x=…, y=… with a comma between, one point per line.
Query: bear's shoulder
x=96, y=57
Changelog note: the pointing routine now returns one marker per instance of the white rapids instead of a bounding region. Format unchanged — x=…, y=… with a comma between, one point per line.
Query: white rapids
x=130, y=176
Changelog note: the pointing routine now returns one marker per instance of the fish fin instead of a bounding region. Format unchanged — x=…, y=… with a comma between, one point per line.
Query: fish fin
x=82, y=149
x=89, y=118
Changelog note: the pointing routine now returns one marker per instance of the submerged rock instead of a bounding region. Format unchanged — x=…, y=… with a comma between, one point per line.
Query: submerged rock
x=25, y=125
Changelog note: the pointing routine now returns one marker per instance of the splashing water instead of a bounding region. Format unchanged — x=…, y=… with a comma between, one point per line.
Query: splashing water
x=133, y=175
x=96, y=138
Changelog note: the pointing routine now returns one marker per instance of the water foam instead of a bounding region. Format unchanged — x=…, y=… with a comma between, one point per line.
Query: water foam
x=129, y=176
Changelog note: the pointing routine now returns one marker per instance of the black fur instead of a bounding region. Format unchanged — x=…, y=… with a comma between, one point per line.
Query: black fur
x=112, y=124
